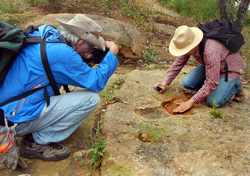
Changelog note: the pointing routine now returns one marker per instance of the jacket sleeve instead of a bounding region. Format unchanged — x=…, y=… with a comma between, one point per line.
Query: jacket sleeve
x=69, y=68
x=175, y=68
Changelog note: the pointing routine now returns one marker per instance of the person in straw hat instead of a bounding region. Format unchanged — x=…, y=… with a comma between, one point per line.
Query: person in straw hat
x=207, y=79
x=45, y=124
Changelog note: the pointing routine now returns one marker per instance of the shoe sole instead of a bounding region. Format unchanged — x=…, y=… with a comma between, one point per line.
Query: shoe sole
x=37, y=156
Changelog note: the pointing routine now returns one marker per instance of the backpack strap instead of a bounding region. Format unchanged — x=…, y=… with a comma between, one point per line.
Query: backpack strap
x=30, y=29
x=3, y=120
x=202, y=48
x=226, y=71
x=21, y=96
x=15, y=98
x=47, y=67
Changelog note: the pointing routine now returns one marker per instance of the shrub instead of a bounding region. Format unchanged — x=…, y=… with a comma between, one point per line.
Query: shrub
x=215, y=113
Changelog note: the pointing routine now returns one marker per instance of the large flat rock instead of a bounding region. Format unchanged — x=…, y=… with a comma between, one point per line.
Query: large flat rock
x=145, y=140
x=126, y=35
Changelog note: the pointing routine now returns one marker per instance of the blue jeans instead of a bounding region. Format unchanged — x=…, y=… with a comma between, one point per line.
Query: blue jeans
x=61, y=118
x=221, y=95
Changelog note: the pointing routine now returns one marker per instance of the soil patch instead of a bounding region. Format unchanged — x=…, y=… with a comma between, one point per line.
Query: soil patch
x=174, y=102
x=151, y=112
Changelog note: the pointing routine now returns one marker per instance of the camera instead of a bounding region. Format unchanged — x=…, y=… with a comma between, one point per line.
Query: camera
x=97, y=56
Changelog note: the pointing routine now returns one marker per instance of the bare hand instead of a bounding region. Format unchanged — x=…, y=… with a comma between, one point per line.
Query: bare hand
x=183, y=107
x=112, y=47
x=161, y=87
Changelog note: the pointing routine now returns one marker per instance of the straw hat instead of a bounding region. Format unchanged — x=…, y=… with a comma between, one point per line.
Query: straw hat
x=184, y=40
x=85, y=28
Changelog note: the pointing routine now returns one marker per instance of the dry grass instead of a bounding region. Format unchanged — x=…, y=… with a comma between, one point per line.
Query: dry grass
x=246, y=49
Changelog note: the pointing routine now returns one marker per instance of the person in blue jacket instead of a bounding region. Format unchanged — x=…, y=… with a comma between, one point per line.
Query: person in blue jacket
x=45, y=126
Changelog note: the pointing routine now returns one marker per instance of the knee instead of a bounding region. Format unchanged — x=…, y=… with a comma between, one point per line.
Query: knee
x=215, y=102
x=94, y=99
x=87, y=100
x=88, y=104
x=186, y=83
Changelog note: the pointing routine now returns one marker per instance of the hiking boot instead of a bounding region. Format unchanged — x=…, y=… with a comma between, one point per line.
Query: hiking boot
x=48, y=152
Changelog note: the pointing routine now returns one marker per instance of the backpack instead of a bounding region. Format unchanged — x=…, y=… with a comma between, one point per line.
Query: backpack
x=226, y=32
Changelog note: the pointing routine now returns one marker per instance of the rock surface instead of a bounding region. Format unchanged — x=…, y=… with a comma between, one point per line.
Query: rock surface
x=144, y=140
x=127, y=36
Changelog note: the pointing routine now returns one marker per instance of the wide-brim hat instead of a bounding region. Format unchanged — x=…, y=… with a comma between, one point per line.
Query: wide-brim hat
x=184, y=40
x=84, y=28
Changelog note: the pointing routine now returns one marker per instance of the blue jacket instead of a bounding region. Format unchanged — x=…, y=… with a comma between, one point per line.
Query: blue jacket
x=67, y=67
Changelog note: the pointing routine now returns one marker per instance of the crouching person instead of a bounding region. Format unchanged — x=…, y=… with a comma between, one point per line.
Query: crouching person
x=209, y=79
x=44, y=124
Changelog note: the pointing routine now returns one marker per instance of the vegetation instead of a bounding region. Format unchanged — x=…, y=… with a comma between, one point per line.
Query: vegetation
x=38, y=2
x=15, y=12
x=133, y=12
x=7, y=7
x=107, y=4
x=107, y=93
x=150, y=55
x=247, y=22
x=97, y=152
x=215, y=113
x=234, y=10
x=201, y=10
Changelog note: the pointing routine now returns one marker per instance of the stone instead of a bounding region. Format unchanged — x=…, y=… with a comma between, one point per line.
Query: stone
x=127, y=36
x=164, y=28
x=81, y=155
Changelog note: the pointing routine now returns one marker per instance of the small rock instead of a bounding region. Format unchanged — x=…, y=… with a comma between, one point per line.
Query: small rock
x=80, y=155
x=144, y=137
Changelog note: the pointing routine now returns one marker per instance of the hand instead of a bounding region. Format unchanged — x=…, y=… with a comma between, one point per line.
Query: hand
x=183, y=107
x=161, y=87
x=112, y=47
